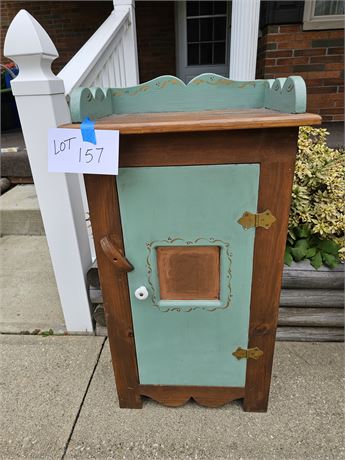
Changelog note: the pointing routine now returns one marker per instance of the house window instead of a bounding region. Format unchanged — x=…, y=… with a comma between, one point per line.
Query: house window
x=323, y=14
x=206, y=32
x=202, y=38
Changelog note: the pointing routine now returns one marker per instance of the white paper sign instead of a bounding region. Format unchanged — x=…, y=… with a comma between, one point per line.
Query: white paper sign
x=67, y=152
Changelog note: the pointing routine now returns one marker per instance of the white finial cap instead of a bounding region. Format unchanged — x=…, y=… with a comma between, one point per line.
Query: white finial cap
x=26, y=36
x=31, y=48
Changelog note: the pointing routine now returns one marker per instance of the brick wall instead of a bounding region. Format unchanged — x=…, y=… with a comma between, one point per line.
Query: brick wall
x=156, y=39
x=69, y=24
x=317, y=56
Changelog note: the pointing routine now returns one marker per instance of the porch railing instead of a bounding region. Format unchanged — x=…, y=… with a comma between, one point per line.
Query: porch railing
x=108, y=58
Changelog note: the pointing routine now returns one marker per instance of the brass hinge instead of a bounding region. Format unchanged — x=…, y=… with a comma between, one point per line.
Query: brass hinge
x=250, y=353
x=262, y=219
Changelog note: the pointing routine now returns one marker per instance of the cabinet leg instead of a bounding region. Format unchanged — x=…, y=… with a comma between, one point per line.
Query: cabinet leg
x=255, y=405
x=130, y=400
x=258, y=377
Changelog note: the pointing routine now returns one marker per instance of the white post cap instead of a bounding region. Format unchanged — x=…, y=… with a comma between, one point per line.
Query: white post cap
x=31, y=48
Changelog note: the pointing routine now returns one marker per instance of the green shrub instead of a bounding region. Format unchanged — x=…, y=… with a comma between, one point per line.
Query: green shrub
x=317, y=219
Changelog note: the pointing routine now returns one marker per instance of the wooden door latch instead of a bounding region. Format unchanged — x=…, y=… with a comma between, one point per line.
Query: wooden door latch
x=114, y=254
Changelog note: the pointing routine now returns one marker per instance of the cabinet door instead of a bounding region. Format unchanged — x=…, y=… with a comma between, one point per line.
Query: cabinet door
x=193, y=262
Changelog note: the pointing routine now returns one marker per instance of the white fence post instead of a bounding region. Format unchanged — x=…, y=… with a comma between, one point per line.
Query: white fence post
x=41, y=105
x=129, y=43
x=244, y=39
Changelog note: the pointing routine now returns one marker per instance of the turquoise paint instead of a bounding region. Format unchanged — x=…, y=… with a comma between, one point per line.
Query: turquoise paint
x=205, y=92
x=287, y=95
x=179, y=346
x=94, y=103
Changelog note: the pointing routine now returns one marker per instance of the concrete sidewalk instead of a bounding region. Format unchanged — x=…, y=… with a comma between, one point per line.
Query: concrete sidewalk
x=29, y=296
x=58, y=400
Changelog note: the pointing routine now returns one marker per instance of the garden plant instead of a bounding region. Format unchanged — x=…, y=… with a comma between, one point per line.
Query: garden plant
x=317, y=218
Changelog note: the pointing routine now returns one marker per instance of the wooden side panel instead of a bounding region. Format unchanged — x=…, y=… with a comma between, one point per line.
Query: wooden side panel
x=274, y=194
x=105, y=220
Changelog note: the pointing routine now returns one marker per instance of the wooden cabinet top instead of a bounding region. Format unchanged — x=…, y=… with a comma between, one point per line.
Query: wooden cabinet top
x=208, y=120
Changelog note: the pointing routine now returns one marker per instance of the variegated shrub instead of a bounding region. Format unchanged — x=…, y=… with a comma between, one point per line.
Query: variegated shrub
x=317, y=218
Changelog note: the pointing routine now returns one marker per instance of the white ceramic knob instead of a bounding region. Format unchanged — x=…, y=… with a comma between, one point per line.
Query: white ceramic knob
x=141, y=293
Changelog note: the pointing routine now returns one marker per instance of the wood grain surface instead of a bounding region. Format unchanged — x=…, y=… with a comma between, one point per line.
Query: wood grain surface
x=312, y=298
x=105, y=219
x=331, y=317
x=205, y=148
x=276, y=175
x=175, y=396
x=302, y=275
x=209, y=120
x=311, y=334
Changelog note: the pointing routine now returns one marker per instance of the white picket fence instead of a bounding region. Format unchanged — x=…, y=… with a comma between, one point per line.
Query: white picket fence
x=108, y=58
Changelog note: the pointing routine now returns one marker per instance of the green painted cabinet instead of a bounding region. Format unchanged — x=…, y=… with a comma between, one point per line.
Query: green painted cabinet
x=190, y=235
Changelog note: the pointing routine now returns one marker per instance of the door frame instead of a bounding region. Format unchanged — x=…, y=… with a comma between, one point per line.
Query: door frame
x=181, y=45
